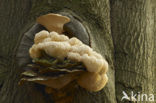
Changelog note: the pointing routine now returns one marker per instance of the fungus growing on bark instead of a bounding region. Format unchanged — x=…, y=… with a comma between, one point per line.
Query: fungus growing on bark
x=92, y=81
x=59, y=60
x=53, y=22
x=60, y=47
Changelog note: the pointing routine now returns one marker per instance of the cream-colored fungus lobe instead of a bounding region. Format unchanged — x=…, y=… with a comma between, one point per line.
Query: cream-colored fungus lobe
x=53, y=22
x=60, y=46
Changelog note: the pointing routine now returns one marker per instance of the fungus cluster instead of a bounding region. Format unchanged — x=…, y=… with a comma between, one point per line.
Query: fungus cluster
x=62, y=48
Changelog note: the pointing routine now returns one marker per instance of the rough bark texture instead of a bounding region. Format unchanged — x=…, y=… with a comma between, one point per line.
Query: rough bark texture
x=133, y=31
x=130, y=49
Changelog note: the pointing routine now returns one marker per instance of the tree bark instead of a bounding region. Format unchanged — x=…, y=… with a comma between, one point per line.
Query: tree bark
x=133, y=31
x=122, y=31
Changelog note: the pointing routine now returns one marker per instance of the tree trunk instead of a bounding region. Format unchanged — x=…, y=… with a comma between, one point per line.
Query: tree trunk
x=121, y=30
x=133, y=31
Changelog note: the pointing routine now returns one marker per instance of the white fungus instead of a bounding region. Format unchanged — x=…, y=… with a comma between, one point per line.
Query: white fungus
x=60, y=46
x=53, y=22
